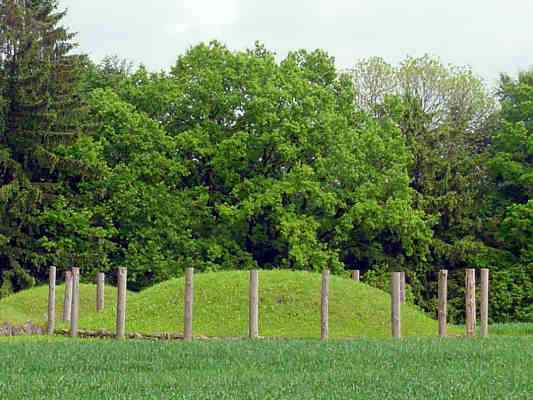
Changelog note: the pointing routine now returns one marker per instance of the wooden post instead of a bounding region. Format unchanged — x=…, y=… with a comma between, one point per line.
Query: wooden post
x=122, y=275
x=67, y=298
x=51, y=300
x=443, y=302
x=324, y=306
x=402, y=287
x=75, y=307
x=187, y=319
x=356, y=275
x=100, y=285
x=253, y=330
x=395, y=305
x=484, y=324
x=470, y=302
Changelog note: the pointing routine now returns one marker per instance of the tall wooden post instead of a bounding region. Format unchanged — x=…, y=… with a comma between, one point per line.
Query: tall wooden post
x=75, y=307
x=51, y=300
x=324, y=306
x=402, y=287
x=395, y=305
x=67, y=298
x=443, y=302
x=470, y=302
x=253, y=330
x=187, y=319
x=484, y=308
x=122, y=276
x=356, y=275
x=100, y=287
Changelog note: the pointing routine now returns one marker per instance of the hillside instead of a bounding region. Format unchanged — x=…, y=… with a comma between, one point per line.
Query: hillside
x=289, y=307
x=32, y=305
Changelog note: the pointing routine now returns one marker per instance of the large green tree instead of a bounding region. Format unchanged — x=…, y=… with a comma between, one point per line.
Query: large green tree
x=37, y=96
x=510, y=207
x=235, y=160
x=446, y=115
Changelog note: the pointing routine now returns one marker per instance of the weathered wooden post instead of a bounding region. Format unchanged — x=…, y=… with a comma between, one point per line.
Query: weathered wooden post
x=484, y=308
x=51, y=300
x=67, y=298
x=100, y=287
x=356, y=275
x=75, y=307
x=470, y=302
x=395, y=305
x=443, y=303
x=402, y=287
x=253, y=330
x=324, y=306
x=122, y=275
x=187, y=319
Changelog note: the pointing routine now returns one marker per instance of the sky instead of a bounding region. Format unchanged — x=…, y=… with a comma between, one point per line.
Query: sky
x=491, y=36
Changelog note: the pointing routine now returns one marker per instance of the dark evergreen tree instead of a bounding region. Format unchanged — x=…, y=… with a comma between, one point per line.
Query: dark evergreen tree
x=38, y=79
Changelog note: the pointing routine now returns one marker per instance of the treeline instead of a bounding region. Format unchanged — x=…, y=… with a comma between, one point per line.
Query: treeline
x=235, y=160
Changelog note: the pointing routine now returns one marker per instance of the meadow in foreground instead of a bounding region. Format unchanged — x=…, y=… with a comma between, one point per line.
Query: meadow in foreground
x=428, y=368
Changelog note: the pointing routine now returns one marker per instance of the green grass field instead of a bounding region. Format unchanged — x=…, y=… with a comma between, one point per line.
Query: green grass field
x=414, y=368
x=377, y=368
x=513, y=329
x=289, y=307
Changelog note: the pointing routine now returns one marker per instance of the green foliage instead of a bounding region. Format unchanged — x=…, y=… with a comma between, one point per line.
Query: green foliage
x=447, y=94
x=38, y=81
x=80, y=242
x=128, y=212
x=235, y=161
x=444, y=113
x=510, y=205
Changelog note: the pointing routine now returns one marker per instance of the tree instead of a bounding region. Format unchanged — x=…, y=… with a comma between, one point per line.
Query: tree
x=289, y=165
x=242, y=161
x=445, y=114
x=110, y=73
x=38, y=78
x=449, y=95
x=510, y=206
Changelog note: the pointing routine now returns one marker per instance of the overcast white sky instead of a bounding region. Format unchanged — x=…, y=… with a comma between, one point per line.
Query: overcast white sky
x=490, y=35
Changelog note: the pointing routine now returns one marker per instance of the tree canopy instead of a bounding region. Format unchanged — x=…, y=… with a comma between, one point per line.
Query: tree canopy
x=38, y=81
x=246, y=162
x=243, y=159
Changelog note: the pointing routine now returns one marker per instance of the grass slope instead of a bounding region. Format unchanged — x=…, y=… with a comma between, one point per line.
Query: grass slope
x=413, y=368
x=32, y=304
x=289, y=307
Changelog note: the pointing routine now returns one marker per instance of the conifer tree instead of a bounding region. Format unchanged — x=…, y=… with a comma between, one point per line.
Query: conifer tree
x=38, y=79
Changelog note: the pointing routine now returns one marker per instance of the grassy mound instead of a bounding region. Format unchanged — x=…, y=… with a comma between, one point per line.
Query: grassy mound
x=32, y=305
x=289, y=307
